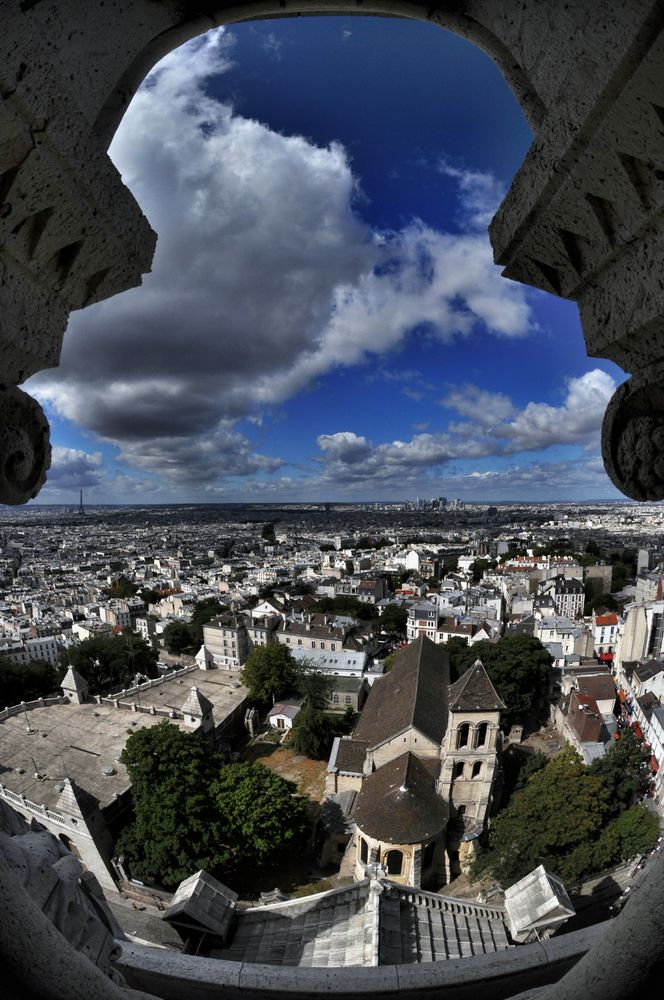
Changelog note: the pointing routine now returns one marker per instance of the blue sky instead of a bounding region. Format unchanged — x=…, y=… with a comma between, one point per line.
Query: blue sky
x=323, y=319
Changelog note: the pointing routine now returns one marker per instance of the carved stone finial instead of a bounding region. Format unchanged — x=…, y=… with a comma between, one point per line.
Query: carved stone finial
x=633, y=436
x=25, y=450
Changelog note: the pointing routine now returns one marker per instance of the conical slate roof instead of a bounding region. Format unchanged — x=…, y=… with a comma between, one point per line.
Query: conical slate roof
x=474, y=692
x=74, y=800
x=197, y=704
x=73, y=681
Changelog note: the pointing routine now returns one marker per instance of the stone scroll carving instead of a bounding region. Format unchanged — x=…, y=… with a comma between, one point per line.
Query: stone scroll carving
x=25, y=450
x=633, y=436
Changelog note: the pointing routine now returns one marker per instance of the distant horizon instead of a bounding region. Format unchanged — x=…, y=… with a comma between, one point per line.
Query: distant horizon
x=340, y=502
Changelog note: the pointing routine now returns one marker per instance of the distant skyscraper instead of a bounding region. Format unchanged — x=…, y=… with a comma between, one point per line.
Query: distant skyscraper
x=81, y=508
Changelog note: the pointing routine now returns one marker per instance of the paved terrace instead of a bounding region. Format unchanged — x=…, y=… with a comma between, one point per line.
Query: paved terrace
x=81, y=741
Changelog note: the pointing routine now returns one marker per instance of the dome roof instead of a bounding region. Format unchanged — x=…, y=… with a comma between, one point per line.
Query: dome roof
x=398, y=803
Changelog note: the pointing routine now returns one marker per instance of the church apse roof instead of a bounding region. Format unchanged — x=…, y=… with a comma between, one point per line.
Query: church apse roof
x=398, y=803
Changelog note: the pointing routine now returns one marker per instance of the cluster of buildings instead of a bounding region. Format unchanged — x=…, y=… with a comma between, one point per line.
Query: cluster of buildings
x=474, y=583
x=408, y=794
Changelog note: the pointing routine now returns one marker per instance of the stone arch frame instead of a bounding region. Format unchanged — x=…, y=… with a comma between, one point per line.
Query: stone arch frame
x=585, y=77
x=477, y=770
x=467, y=23
x=614, y=328
x=459, y=770
x=404, y=860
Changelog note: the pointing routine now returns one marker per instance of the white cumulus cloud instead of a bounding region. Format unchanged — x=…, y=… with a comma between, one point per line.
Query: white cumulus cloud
x=264, y=280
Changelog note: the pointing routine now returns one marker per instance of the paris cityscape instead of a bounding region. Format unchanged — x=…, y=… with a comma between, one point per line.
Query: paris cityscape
x=331, y=500
x=267, y=634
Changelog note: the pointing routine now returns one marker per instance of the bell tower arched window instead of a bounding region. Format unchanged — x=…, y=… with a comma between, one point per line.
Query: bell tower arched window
x=463, y=735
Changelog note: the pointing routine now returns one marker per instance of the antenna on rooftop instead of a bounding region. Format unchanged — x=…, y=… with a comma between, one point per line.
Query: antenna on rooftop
x=28, y=728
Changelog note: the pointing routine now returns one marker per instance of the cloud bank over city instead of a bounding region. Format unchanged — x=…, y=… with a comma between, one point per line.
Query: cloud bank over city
x=267, y=281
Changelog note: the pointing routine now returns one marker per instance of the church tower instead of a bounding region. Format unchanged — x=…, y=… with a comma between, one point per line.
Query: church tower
x=469, y=755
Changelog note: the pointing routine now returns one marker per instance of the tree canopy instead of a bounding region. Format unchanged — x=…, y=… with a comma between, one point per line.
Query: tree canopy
x=191, y=811
x=176, y=830
x=26, y=681
x=624, y=769
x=314, y=686
x=572, y=818
x=110, y=662
x=479, y=566
x=258, y=811
x=595, y=602
x=559, y=808
x=122, y=587
x=268, y=670
x=204, y=611
x=394, y=619
x=177, y=637
x=346, y=604
x=519, y=669
x=313, y=732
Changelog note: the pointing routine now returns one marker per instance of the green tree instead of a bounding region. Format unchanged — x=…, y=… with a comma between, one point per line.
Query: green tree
x=633, y=832
x=204, y=611
x=313, y=732
x=458, y=652
x=176, y=828
x=110, y=662
x=388, y=662
x=478, y=567
x=533, y=763
x=450, y=565
x=561, y=808
x=313, y=685
x=149, y=595
x=177, y=637
x=268, y=671
x=267, y=532
x=26, y=681
x=624, y=768
x=519, y=668
x=394, y=619
x=346, y=604
x=598, y=601
x=259, y=813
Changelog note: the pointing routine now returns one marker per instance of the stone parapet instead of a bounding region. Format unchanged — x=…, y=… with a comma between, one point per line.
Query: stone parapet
x=174, y=976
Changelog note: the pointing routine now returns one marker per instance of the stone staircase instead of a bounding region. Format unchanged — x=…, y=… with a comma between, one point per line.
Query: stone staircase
x=425, y=927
